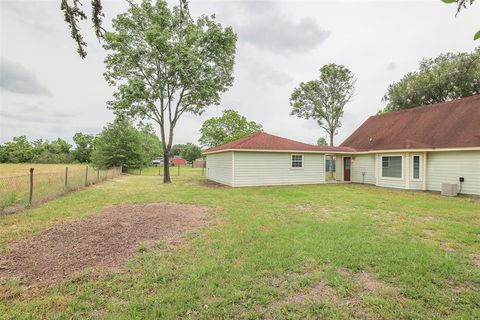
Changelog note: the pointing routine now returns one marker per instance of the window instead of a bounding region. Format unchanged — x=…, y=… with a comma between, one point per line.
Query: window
x=392, y=167
x=297, y=161
x=416, y=167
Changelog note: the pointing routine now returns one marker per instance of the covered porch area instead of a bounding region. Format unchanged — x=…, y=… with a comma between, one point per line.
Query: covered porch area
x=341, y=168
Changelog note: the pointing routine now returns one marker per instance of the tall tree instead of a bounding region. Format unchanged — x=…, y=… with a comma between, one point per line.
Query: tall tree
x=150, y=143
x=73, y=14
x=119, y=144
x=325, y=98
x=449, y=76
x=191, y=152
x=165, y=64
x=84, y=146
x=322, y=142
x=228, y=127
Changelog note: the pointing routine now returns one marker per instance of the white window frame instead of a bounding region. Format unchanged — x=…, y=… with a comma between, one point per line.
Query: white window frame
x=420, y=169
x=291, y=161
x=381, y=166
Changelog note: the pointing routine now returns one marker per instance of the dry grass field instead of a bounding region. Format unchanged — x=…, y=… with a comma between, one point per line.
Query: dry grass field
x=49, y=181
x=20, y=169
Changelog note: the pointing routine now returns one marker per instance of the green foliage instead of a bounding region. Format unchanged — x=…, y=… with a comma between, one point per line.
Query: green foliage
x=165, y=64
x=228, y=127
x=176, y=149
x=322, y=142
x=18, y=150
x=191, y=152
x=325, y=98
x=150, y=143
x=119, y=144
x=84, y=146
x=449, y=76
x=123, y=144
x=188, y=151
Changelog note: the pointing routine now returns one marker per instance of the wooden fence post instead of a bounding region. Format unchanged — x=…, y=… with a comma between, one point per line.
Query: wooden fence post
x=30, y=197
x=86, y=176
x=66, y=177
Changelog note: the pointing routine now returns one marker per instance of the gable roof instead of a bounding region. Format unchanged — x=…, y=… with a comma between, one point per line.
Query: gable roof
x=452, y=124
x=262, y=141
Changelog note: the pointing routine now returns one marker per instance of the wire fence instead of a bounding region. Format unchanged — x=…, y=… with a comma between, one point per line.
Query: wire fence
x=18, y=192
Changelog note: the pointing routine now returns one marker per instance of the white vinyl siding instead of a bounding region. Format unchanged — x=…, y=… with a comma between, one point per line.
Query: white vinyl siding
x=270, y=168
x=447, y=167
x=363, y=163
x=219, y=167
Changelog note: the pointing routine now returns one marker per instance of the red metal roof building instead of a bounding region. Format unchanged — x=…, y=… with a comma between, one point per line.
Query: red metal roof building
x=178, y=161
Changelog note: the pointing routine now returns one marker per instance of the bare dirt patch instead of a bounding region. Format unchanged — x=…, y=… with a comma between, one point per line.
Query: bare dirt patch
x=106, y=240
x=352, y=303
x=211, y=184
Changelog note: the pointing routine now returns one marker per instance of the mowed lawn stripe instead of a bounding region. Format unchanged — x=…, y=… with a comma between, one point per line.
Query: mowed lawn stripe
x=266, y=251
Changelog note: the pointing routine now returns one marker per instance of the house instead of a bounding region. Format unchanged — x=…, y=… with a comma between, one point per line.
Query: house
x=416, y=149
x=178, y=161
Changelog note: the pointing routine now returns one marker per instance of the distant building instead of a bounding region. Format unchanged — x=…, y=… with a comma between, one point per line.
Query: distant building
x=178, y=161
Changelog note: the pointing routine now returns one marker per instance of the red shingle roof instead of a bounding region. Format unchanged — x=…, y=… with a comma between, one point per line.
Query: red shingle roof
x=450, y=124
x=265, y=141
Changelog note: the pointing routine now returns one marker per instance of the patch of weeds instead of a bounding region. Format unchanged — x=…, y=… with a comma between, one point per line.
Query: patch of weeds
x=143, y=247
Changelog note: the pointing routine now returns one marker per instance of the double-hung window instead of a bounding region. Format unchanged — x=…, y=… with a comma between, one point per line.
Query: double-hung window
x=392, y=167
x=297, y=161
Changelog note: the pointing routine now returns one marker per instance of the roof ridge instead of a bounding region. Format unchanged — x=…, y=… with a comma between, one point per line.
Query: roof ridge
x=436, y=104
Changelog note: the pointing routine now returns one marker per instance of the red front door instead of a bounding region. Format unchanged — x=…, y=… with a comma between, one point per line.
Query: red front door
x=346, y=168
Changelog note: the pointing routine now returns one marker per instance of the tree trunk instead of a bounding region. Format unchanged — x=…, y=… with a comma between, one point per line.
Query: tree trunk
x=331, y=157
x=166, y=167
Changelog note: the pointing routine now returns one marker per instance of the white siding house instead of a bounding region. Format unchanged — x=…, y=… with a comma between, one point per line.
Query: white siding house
x=219, y=168
x=415, y=149
x=275, y=168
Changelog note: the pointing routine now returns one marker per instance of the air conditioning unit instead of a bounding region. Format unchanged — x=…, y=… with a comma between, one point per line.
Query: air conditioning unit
x=449, y=189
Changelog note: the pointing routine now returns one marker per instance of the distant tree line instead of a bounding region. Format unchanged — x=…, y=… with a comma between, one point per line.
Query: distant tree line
x=121, y=143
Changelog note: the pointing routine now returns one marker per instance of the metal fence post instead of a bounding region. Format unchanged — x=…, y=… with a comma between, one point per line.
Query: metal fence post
x=178, y=169
x=98, y=174
x=86, y=175
x=66, y=177
x=30, y=197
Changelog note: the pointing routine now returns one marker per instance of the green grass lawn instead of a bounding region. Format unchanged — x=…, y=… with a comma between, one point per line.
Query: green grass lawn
x=290, y=252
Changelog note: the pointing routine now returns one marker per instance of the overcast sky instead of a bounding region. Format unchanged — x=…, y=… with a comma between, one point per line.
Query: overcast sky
x=47, y=91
